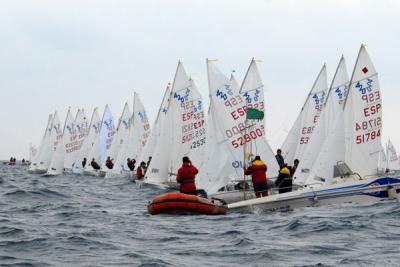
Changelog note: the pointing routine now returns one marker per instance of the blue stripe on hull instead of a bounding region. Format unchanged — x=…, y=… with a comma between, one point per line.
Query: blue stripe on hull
x=378, y=194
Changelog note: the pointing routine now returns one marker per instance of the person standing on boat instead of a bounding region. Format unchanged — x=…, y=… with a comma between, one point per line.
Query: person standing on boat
x=258, y=170
x=186, y=176
x=279, y=158
x=83, y=162
x=284, y=180
x=141, y=170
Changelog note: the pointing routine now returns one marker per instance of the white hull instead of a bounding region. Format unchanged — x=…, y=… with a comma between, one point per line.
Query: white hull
x=102, y=173
x=122, y=174
x=36, y=171
x=361, y=191
x=233, y=196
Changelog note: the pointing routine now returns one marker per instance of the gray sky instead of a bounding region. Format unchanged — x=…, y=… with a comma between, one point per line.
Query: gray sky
x=56, y=54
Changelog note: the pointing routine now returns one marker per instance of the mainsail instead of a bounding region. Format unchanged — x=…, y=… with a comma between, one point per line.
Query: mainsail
x=185, y=129
x=363, y=117
x=140, y=130
x=57, y=162
x=76, y=136
x=157, y=130
x=55, y=135
x=299, y=136
x=392, y=159
x=92, y=133
x=102, y=135
x=252, y=91
x=224, y=153
x=36, y=158
x=120, y=136
x=326, y=146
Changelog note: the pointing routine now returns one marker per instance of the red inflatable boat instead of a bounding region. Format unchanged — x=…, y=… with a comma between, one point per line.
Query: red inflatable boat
x=179, y=203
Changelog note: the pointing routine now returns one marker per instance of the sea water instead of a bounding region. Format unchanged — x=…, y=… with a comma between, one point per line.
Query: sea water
x=89, y=221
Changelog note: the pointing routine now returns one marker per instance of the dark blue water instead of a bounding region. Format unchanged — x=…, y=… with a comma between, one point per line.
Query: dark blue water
x=87, y=221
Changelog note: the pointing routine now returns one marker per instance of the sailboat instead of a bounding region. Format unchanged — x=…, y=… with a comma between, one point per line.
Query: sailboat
x=139, y=131
x=53, y=136
x=32, y=154
x=33, y=168
x=157, y=136
x=119, y=140
x=319, y=157
x=392, y=158
x=93, y=132
x=102, y=142
x=299, y=136
x=75, y=139
x=183, y=132
x=229, y=132
x=358, y=180
x=56, y=166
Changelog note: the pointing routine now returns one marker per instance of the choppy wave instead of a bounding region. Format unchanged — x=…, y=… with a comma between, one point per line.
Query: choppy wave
x=86, y=221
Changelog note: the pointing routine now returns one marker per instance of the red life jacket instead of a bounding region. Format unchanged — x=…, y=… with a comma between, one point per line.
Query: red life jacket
x=258, y=171
x=139, y=173
x=186, y=176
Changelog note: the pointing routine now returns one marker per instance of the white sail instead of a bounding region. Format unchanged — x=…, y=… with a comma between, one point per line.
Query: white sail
x=224, y=153
x=89, y=149
x=252, y=91
x=326, y=146
x=56, y=166
x=51, y=144
x=363, y=117
x=73, y=143
x=121, y=135
x=103, y=140
x=392, y=159
x=186, y=130
x=150, y=145
x=157, y=171
x=107, y=133
x=36, y=158
x=217, y=169
x=187, y=118
x=140, y=129
x=32, y=152
x=300, y=134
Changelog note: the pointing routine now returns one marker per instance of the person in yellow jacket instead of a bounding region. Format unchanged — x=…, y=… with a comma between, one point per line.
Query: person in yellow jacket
x=284, y=181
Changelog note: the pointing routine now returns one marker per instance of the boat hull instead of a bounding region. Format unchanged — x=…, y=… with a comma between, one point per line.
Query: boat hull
x=362, y=191
x=36, y=171
x=179, y=203
x=91, y=172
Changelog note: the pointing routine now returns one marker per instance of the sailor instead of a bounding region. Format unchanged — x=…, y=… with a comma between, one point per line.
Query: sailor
x=94, y=164
x=23, y=160
x=83, y=162
x=141, y=170
x=284, y=180
x=279, y=158
x=186, y=176
x=109, y=163
x=131, y=163
x=294, y=167
x=258, y=171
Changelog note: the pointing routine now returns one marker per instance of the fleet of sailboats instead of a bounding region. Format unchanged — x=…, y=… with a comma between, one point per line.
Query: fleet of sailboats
x=336, y=137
